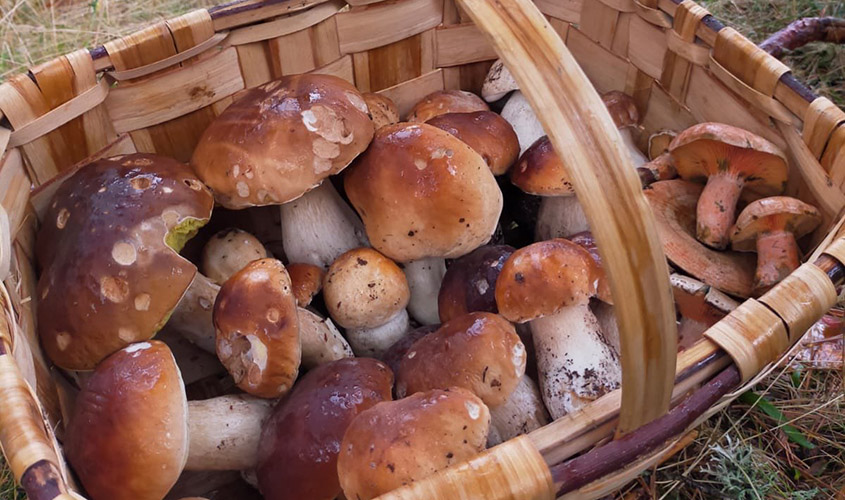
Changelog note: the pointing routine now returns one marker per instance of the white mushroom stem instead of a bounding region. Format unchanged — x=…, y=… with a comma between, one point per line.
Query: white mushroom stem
x=560, y=217
x=520, y=414
x=319, y=226
x=192, y=316
x=321, y=342
x=518, y=113
x=574, y=361
x=637, y=157
x=374, y=342
x=424, y=277
x=224, y=432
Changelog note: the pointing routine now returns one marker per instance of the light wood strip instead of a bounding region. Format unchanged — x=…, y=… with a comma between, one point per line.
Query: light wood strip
x=406, y=94
x=285, y=25
x=461, y=44
x=820, y=120
x=801, y=298
x=652, y=15
x=598, y=22
x=255, y=65
x=763, y=102
x=131, y=74
x=361, y=67
x=21, y=102
x=14, y=189
x=605, y=70
x=835, y=148
x=342, y=68
x=96, y=124
x=747, y=62
x=565, y=10
x=364, y=28
x=292, y=54
x=242, y=13
x=626, y=6
x=646, y=47
x=622, y=35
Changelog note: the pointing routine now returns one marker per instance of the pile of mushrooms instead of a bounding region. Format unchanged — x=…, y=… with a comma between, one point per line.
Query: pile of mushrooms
x=397, y=332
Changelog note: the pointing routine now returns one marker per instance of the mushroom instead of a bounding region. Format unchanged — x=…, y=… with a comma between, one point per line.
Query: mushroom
x=550, y=283
x=700, y=306
x=498, y=82
x=522, y=413
x=470, y=282
x=673, y=205
x=228, y=251
x=658, y=143
x=306, y=282
x=446, y=101
x=397, y=442
x=192, y=317
x=424, y=195
x=366, y=293
x=487, y=133
x=625, y=115
x=382, y=110
x=394, y=354
x=132, y=430
x=729, y=160
x=276, y=145
x=519, y=113
x=258, y=330
x=300, y=442
x=321, y=342
x=659, y=169
x=111, y=242
x=770, y=226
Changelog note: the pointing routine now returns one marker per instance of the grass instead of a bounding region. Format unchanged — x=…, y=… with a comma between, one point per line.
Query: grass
x=742, y=452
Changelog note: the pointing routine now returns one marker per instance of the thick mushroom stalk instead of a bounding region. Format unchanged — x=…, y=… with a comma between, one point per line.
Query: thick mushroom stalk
x=192, y=317
x=321, y=342
x=625, y=115
x=424, y=279
x=522, y=413
x=228, y=251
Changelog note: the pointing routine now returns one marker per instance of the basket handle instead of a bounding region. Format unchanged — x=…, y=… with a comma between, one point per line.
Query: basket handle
x=607, y=186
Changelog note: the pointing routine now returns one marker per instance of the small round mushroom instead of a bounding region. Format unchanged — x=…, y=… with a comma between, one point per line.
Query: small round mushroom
x=470, y=282
x=700, y=306
x=109, y=254
x=397, y=442
x=228, y=251
x=258, y=329
x=729, y=160
x=487, y=133
x=446, y=101
x=424, y=195
x=550, y=284
x=498, y=82
x=382, y=109
x=321, y=342
x=366, y=293
x=625, y=115
x=300, y=442
x=770, y=226
x=306, y=282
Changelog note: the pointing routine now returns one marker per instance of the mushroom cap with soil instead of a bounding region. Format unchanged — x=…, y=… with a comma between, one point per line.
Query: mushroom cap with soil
x=397, y=442
x=382, y=109
x=228, y=251
x=470, y=282
x=770, y=227
x=487, y=133
x=729, y=160
x=446, y=101
x=111, y=241
x=258, y=341
x=306, y=281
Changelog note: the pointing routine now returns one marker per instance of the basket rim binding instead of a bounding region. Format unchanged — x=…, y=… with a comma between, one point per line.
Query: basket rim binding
x=232, y=9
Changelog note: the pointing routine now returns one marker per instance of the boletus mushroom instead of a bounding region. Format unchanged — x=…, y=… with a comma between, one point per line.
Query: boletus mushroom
x=498, y=82
x=446, y=101
x=770, y=226
x=730, y=160
x=228, y=251
x=469, y=284
x=487, y=133
x=321, y=341
x=623, y=111
x=306, y=281
x=381, y=109
x=109, y=254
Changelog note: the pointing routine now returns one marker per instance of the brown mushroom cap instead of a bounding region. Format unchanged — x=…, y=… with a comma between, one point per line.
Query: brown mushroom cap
x=300, y=442
x=776, y=213
x=228, y=251
x=700, y=307
x=540, y=171
x=446, y=101
x=258, y=330
x=422, y=192
x=478, y=351
x=470, y=282
x=393, y=356
x=398, y=442
x=673, y=203
x=306, y=282
x=110, y=242
x=587, y=242
x=382, y=109
x=282, y=139
x=364, y=289
x=622, y=109
x=128, y=435
x=544, y=277
x=487, y=133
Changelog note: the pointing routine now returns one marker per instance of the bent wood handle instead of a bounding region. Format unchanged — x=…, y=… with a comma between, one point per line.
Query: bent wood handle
x=607, y=186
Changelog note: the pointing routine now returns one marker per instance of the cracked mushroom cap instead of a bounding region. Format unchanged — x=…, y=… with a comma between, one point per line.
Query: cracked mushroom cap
x=585, y=239
x=470, y=282
x=479, y=351
x=258, y=329
x=228, y=251
x=282, y=139
x=382, y=109
x=128, y=434
x=776, y=213
x=540, y=171
x=544, y=277
x=398, y=442
x=446, y=101
x=622, y=109
x=110, y=241
x=487, y=133
x=297, y=454
x=306, y=282
x=364, y=289
x=422, y=192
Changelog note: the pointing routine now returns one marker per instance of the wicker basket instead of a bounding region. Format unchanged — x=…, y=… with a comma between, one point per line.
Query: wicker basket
x=158, y=89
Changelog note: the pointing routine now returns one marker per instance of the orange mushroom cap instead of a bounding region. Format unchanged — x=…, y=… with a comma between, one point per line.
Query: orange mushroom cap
x=306, y=282
x=487, y=133
x=446, y=101
x=540, y=171
x=382, y=109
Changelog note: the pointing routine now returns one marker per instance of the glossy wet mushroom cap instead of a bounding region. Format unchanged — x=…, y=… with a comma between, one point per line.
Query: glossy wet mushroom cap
x=228, y=251
x=110, y=240
x=540, y=171
x=470, y=282
x=487, y=133
x=306, y=282
x=257, y=328
x=282, y=139
x=587, y=242
x=393, y=356
x=446, y=101
x=382, y=109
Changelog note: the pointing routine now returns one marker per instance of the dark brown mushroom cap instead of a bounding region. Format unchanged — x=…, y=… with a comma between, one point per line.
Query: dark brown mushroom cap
x=258, y=330
x=394, y=354
x=544, y=277
x=776, y=213
x=306, y=282
x=487, y=133
x=470, y=282
x=446, y=101
x=622, y=109
x=228, y=251
x=585, y=239
x=398, y=442
x=382, y=109
x=297, y=455
x=108, y=250
x=282, y=139
x=127, y=438
x=479, y=351
x=540, y=171
x=422, y=192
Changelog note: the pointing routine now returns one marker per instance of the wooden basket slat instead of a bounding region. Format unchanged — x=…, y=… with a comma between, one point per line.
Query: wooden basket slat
x=677, y=65
x=598, y=22
x=240, y=13
x=341, y=68
x=565, y=10
x=285, y=25
x=606, y=70
x=647, y=47
x=833, y=150
x=406, y=94
x=622, y=35
x=369, y=27
x=394, y=63
x=820, y=120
